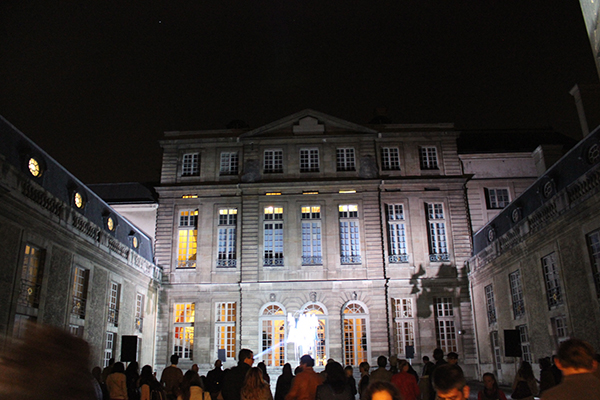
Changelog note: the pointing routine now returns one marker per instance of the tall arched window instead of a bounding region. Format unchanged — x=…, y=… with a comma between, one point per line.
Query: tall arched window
x=318, y=348
x=272, y=336
x=356, y=334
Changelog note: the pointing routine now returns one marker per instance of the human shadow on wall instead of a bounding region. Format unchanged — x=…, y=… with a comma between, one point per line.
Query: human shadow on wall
x=447, y=282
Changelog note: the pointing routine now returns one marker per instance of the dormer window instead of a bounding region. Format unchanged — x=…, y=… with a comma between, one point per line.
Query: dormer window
x=190, y=165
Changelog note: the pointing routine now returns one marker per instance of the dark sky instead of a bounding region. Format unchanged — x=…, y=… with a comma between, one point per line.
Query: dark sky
x=95, y=83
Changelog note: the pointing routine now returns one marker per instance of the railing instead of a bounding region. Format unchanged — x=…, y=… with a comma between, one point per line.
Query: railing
x=398, y=258
x=227, y=263
x=273, y=262
x=183, y=264
x=350, y=259
x=78, y=306
x=439, y=257
x=113, y=316
x=312, y=260
x=29, y=293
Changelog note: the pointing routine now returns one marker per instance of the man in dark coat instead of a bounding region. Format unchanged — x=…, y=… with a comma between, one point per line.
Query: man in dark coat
x=213, y=380
x=233, y=379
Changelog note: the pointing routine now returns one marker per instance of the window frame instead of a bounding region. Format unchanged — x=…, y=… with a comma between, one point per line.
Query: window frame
x=437, y=232
x=32, y=273
x=311, y=234
x=552, y=283
x=272, y=318
x=184, y=317
x=345, y=159
x=404, y=323
x=526, y=354
x=355, y=322
x=190, y=164
x=229, y=163
x=79, y=291
x=390, y=158
x=225, y=331
x=114, y=300
x=397, y=243
x=227, y=237
x=139, y=312
x=495, y=200
x=445, y=324
x=516, y=294
x=273, y=236
x=273, y=161
x=490, y=303
x=428, y=158
x=309, y=160
x=187, y=228
x=349, y=234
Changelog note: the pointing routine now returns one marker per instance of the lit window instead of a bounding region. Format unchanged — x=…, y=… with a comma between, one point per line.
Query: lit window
x=113, y=303
x=318, y=324
x=553, y=289
x=309, y=160
x=135, y=242
x=183, y=330
x=273, y=236
x=525, y=345
x=428, y=157
x=490, y=304
x=356, y=335
x=273, y=323
x=311, y=235
x=80, y=288
x=226, y=317
x=345, y=159
x=396, y=233
x=273, y=161
x=34, y=167
x=188, y=236
x=190, y=165
x=227, y=232
x=516, y=292
x=497, y=198
x=438, y=246
x=390, y=159
x=31, y=277
x=349, y=234
x=78, y=200
x=229, y=163
x=110, y=224
x=404, y=320
x=444, y=324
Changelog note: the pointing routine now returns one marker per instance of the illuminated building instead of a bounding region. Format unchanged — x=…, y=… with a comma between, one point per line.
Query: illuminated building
x=70, y=260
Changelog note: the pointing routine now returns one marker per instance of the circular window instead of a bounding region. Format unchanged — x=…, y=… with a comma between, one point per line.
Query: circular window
x=548, y=189
x=34, y=167
x=110, y=223
x=491, y=235
x=593, y=154
x=134, y=242
x=78, y=199
x=516, y=215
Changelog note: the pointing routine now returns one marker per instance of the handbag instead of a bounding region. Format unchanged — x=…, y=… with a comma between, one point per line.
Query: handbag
x=521, y=391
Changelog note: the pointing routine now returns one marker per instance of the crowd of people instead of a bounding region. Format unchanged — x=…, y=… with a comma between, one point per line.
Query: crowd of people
x=573, y=371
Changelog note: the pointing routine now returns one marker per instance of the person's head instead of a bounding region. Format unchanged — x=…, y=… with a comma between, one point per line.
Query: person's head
x=575, y=356
x=246, y=356
x=438, y=354
x=174, y=359
x=118, y=367
x=425, y=359
x=297, y=370
x=393, y=361
x=335, y=374
x=380, y=390
x=525, y=370
x=254, y=384
x=194, y=368
x=218, y=364
x=190, y=378
x=381, y=361
x=97, y=373
x=452, y=357
x=489, y=381
x=402, y=365
x=111, y=361
x=545, y=363
x=132, y=367
x=146, y=372
x=449, y=383
x=287, y=369
x=307, y=361
x=364, y=367
x=349, y=371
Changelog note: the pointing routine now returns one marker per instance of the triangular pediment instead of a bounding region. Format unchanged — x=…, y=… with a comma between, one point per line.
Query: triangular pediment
x=308, y=122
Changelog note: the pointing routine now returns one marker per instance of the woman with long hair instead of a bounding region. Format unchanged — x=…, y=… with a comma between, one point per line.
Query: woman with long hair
x=335, y=386
x=191, y=387
x=132, y=375
x=406, y=382
x=525, y=386
x=255, y=387
x=116, y=382
x=490, y=391
x=284, y=382
x=148, y=383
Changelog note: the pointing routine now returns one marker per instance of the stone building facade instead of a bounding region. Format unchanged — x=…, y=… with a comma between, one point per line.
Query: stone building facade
x=535, y=265
x=313, y=235
x=69, y=260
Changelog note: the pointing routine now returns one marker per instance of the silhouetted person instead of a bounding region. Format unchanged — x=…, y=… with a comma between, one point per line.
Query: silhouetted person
x=284, y=382
x=233, y=379
x=576, y=361
x=381, y=374
x=116, y=383
x=213, y=380
x=132, y=375
x=255, y=387
x=438, y=356
x=335, y=386
x=263, y=367
x=363, y=368
x=350, y=379
x=304, y=386
x=171, y=378
x=191, y=387
x=406, y=382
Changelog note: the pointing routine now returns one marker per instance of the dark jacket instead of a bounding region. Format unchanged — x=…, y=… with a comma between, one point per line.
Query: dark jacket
x=233, y=380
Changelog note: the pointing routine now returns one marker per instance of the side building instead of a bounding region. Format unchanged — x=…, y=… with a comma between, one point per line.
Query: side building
x=535, y=267
x=70, y=260
x=313, y=235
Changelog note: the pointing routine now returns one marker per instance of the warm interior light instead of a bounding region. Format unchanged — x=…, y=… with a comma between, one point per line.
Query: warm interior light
x=110, y=224
x=273, y=194
x=189, y=196
x=347, y=191
x=78, y=200
x=310, y=192
x=34, y=167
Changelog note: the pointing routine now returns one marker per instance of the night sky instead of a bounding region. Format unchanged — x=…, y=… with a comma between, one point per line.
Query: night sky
x=96, y=83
